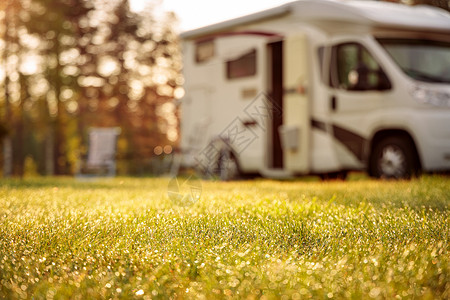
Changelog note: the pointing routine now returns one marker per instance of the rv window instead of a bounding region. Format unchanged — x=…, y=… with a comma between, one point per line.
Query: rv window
x=354, y=68
x=204, y=51
x=243, y=66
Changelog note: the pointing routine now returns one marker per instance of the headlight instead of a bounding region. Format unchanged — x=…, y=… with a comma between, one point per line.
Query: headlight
x=431, y=96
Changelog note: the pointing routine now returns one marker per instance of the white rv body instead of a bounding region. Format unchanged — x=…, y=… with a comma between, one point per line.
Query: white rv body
x=277, y=90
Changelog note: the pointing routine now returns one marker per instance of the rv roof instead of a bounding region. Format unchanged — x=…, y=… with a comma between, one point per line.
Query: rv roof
x=372, y=13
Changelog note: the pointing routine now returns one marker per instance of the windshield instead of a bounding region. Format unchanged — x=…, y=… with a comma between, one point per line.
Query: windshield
x=424, y=60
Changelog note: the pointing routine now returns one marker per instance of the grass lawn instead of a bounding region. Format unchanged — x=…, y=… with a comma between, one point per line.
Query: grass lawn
x=263, y=239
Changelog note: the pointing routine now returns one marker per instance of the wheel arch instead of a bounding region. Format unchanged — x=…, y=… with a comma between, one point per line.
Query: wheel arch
x=387, y=133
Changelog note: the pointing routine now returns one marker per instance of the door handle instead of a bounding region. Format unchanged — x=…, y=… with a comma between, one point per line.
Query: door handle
x=249, y=123
x=333, y=103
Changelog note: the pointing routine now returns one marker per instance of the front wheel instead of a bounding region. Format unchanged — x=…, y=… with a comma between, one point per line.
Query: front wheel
x=394, y=158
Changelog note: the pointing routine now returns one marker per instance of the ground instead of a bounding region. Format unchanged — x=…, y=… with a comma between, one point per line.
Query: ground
x=125, y=238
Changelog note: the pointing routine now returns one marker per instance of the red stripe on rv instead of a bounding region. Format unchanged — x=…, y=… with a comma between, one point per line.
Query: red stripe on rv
x=246, y=32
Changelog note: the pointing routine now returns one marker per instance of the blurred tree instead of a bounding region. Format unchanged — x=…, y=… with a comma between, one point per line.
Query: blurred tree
x=75, y=64
x=3, y=131
x=444, y=4
x=37, y=35
x=13, y=92
x=56, y=23
x=5, y=107
x=134, y=73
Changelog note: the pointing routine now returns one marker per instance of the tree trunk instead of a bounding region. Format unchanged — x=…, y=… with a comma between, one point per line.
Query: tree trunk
x=7, y=157
x=49, y=155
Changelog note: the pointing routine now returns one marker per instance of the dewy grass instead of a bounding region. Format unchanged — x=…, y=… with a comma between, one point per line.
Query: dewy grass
x=123, y=238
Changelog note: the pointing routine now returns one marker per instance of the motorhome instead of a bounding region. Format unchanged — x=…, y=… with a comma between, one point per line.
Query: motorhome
x=319, y=87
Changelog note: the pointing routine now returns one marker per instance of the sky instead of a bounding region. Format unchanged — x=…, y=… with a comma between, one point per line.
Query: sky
x=198, y=13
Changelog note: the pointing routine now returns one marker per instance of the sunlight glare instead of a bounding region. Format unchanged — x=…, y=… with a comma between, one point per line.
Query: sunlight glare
x=138, y=5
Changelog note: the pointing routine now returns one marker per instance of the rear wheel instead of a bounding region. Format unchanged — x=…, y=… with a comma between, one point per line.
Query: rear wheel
x=394, y=158
x=228, y=168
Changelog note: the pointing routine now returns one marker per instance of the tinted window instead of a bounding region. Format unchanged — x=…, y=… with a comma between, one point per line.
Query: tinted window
x=204, y=51
x=354, y=68
x=424, y=60
x=243, y=66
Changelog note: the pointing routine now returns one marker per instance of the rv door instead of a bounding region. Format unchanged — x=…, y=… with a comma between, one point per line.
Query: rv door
x=294, y=132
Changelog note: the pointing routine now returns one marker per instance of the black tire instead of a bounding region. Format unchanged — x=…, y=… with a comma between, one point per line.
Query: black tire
x=394, y=158
x=228, y=168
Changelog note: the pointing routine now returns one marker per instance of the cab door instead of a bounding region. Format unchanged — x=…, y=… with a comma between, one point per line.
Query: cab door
x=295, y=131
x=359, y=88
